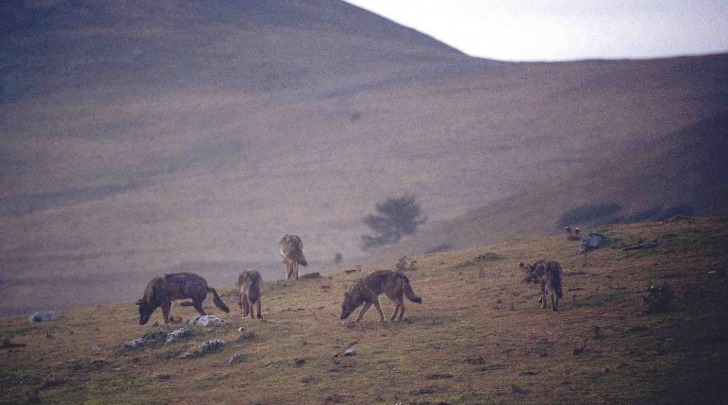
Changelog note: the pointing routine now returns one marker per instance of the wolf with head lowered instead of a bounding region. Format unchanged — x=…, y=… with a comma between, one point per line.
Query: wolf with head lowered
x=366, y=290
x=164, y=289
x=249, y=285
x=547, y=273
x=291, y=248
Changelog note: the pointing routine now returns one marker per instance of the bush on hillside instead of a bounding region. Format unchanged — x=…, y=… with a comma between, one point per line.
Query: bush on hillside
x=395, y=218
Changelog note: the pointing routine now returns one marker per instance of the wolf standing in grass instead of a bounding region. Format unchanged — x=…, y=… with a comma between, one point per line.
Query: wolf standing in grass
x=548, y=274
x=366, y=290
x=249, y=284
x=291, y=248
x=164, y=289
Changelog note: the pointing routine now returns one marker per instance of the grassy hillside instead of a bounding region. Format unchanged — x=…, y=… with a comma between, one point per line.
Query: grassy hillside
x=117, y=191
x=478, y=337
x=143, y=138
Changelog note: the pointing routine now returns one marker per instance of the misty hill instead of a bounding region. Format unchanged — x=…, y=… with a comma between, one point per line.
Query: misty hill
x=682, y=173
x=140, y=138
x=115, y=48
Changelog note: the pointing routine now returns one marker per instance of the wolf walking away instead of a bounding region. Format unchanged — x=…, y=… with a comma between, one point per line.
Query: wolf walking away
x=366, y=290
x=249, y=285
x=548, y=274
x=291, y=248
x=164, y=289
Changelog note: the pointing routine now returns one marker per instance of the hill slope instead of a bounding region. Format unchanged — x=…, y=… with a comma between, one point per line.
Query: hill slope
x=680, y=174
x=139, y=139
x=111, y=49
x=478, y=337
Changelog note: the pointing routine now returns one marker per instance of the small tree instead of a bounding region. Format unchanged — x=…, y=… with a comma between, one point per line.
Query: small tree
x=397, y=217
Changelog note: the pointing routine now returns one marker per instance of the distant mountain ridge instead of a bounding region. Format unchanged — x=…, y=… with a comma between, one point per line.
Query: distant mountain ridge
x=244, y=45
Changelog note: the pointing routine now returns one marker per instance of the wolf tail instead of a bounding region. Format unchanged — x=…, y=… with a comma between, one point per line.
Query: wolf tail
x=409, y=293
x=299, y=258
x=217, y=301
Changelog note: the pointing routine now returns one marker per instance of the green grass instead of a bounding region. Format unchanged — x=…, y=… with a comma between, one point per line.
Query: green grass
x=479, y=336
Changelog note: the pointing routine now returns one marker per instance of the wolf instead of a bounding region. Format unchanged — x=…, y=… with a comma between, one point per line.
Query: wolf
x=548, y=274
x=366, y=290
x=249, y=284
x=291, y=248
x=165, y=288
x=406, y=264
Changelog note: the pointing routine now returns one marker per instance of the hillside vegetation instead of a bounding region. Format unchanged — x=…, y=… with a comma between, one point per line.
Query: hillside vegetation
x=478, y=337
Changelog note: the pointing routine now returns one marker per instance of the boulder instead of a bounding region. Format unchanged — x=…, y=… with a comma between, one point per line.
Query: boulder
x=207, y=320
x=42, y=316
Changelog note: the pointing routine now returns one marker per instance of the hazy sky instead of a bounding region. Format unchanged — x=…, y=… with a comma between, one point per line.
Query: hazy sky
x=565, y=29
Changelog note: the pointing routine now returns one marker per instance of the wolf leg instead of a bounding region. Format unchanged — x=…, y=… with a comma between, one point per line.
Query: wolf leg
x=394, y=314
x=399, y=307
x=165, y=311
x=554, y=302
x=401, y=311
x=249, y=308
x=363, y=311
x=258, y=314
x=198, y=308
x=289, y=270
x=379, y=309
x=295, y=270
x=246, y=307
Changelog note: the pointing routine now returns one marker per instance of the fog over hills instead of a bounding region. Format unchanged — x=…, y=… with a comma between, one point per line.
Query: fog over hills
x=140, y=138
x=682, y=173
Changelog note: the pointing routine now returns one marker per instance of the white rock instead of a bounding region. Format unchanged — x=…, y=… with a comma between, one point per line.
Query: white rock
x=41, y=316
x=178, y=334
x=207, y=320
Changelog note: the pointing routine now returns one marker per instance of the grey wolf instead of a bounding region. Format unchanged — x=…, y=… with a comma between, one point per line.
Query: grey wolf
x=249, y=284
x=291, y=248
x=165, y=288
x=366, y=290
x=406, y=264
x=547, y=273
x=572, y=234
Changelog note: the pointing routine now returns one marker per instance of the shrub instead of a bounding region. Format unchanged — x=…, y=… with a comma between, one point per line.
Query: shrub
x=396, y=217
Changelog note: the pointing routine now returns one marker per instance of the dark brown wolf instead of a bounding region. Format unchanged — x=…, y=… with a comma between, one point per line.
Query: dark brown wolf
x=366, y=290
x=548, y=274
x=164, y=289
x=249, y=284
x=291, y=248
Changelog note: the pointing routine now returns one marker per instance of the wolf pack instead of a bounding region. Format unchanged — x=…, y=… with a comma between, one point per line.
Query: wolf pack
x=163, y=289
